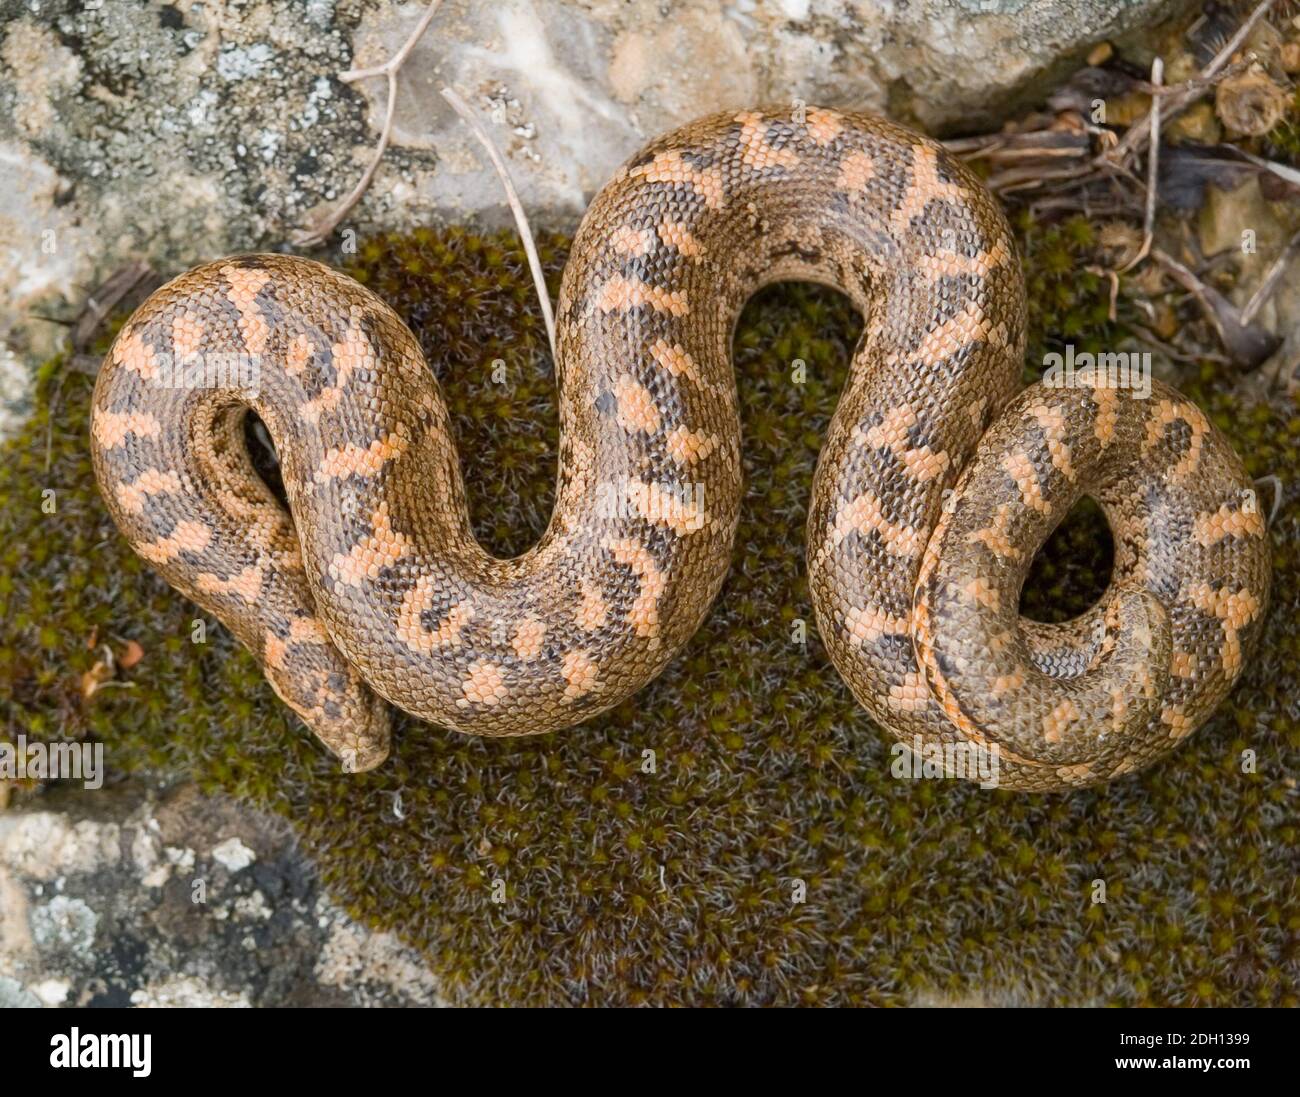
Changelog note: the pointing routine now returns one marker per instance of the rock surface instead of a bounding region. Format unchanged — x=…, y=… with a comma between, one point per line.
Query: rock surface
x=177, y=132
x=121, y=898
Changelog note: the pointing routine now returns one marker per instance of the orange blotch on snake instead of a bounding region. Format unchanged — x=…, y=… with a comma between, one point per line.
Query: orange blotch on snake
x=133, y=352
x=996, y=538
x=1228, y=521
x=485, y=685
x=1176, y=719
x=415, y=603
x=1052, y=422
x=245, y=284
x=891, y=432
x=676, y=360
x=246, y=585
x=307, y=630
x=856, y=171
x=636, y=407
x=867, y=624
x=672, y=167
x=1021, y=469
x=621, y=294
x=528, y=637
x=131, y=496
x=627, y=240
x=1107, y=401
x=274, y=651
x=384, y=547
x=187, y=335
x=910, y=695
x=864, y=515
x=823, y=125
x=688, y=447
x=1163, y=415
x=1008, y=683
x=111, y=428
x=299, y=354
x=925, y=187
x=1234, y=609
x=979, y=591
x=947, y=338
x=581, y=673
x=758, y=154
x=1058, y=721
x=644, y=611
x=676, y=235
x=680, y=511
x=186, y=537
x=593, y=609
x=354, y=460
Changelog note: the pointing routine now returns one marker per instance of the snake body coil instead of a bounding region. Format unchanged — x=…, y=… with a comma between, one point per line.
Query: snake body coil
x=934, y=490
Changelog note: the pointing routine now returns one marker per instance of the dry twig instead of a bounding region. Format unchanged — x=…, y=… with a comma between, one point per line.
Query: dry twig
x=1153, y=171
x=1234, y=43
x=516, y=207
x=1248, y=345
x=1275, y=482
x=1176, y=100
x=1184, y=95
x=320, y=231
x=1260, y=297
x=102, y=301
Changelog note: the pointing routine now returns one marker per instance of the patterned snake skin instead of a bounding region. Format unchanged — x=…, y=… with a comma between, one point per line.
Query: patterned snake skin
x=934, y=491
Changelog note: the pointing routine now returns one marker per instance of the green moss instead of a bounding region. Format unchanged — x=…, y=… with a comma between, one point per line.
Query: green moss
x=1068, y=303
x=623, y=886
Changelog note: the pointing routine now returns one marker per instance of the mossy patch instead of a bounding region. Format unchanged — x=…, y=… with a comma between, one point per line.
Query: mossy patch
x=678, y=885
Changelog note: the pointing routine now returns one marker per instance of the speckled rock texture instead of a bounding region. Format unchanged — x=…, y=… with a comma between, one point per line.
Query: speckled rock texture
x=127, y=899
x=176, y=132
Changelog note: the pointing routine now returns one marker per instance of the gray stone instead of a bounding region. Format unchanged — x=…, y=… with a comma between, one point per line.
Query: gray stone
x=13, y=995
x=64, y=924
x=135, y=898
x=176, y=133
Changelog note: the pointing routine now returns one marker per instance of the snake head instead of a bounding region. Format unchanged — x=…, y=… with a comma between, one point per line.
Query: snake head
x=331, y=698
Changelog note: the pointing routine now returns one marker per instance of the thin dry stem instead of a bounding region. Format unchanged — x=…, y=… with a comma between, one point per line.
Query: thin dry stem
x=1260, y=297
x=521, y=220
x=394, y=63
x=1275, y=482
x=320, y=231
x=1180, y=98
x=1153, y=171
x=1234, y=43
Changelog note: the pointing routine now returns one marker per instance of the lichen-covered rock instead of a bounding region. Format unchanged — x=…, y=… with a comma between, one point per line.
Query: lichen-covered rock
x=178, y=132
x=180, y=900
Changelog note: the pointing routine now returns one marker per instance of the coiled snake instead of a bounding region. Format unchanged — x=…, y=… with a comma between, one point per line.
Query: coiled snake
x=935, y=488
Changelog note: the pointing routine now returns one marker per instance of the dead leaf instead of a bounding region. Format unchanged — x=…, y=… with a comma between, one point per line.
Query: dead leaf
x=1101, y=53
x=1248, y=344
x=1251, y=103
x=1089, y=85
x=1186, y=170
x=106, y=298
x=132, y=655
x=97, y=675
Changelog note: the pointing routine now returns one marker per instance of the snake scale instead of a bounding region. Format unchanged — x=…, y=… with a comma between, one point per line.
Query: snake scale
x=936, y=486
